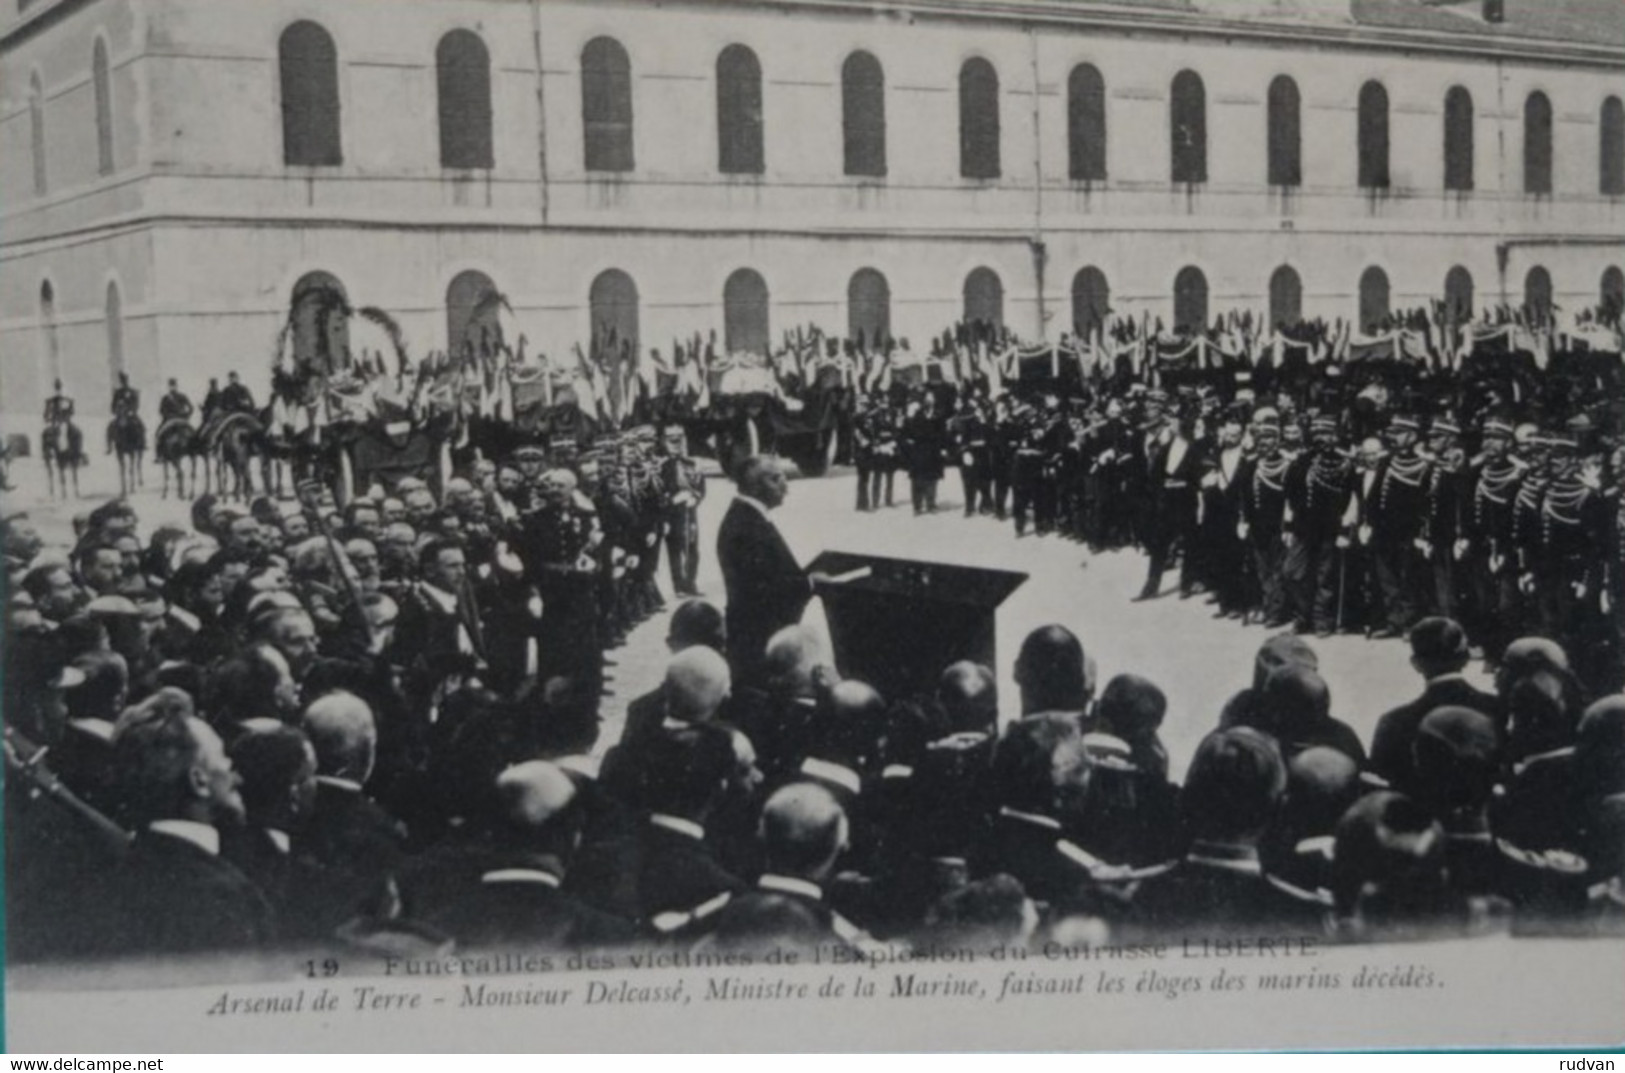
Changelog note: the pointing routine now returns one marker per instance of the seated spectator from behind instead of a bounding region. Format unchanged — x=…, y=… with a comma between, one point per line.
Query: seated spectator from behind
x=1282, y=650
x=1389, y=878
x=796, y=675
x=516, y=894
x=1231, y=796
x=803, y=834
x=1052, y=673
x=696, y=686
x=1439, y=653
x=278, y=769
x=1321, y=784
x=690, y=632
x=667, y=872
x=1132, y=708
x=989, y=914
x=1297, y=707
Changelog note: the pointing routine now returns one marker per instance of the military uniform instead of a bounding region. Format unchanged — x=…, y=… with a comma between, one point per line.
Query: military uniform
x=175, y=406
x=973, y=448
x=1491, y=490
x=683, y=489
x=558, y=545
x=1318, y=488
x=1397, y=516
x=1261, y=507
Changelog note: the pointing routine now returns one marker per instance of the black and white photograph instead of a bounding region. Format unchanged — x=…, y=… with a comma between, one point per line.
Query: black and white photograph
x=812, y=524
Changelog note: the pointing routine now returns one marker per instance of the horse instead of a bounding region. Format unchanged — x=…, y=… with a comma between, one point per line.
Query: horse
x=62, y=446
x=128, y=434
x=176, y=444
x=235, y=445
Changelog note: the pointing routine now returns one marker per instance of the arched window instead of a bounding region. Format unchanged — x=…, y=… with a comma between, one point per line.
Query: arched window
x=614, y=310
x=1458, y=139
x=1373, y=298
x=1285, y=136
x=739, y=112
x=101, y=83
x=1611, y=149
x=1187, y=115
x=321, y=322
x=472, y=324
x=984, y=298
x=49, y=354
x=1537, y=295
x=863, y=115
x=1537, y=144
x=1091, y=301
x=606, y=105
x=744, y=313
x=1086, y=124
x=1613, y=290
x=1458, y=295
x=1190, y=300
x=463, y=74
x=1373, y=136
x=978, y=120
x=113, y=313
x=36, y=133
x=868, y=307
x=1286, y=297
x=309, y=69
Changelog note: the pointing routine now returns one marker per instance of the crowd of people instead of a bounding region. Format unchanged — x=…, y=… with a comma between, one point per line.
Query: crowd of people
x=1334, y=500
x=297, y=725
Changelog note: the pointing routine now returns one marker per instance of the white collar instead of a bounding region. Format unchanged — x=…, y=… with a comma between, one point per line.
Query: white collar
x=279, y=839
x=757, y=503
x=441, y=598
x=1453, y=676
x=521, y=875
x=791, y=885
x=201, y=835
x=342, y=784
x=678, y=824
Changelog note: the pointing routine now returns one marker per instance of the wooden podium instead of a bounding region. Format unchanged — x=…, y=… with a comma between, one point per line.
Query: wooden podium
x=896, y=623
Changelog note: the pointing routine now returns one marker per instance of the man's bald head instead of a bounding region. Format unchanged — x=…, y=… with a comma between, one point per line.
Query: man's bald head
x=970, y=697
x=1052, y=672
x=803, y=831
x=538, y=808
x=340, y=726
x=697, y=682
x=792, y=655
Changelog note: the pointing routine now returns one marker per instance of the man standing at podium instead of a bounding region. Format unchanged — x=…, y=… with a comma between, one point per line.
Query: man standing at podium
x=767, y=588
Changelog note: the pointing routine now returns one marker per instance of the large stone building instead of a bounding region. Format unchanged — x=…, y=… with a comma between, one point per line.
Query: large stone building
x=172, y=171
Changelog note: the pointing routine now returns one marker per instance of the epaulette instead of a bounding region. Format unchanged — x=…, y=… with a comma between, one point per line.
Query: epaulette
x=828, y=771
x=1317, y=897
x=677, y=919
x=1033, y=818
x=1560, y=861
x=1320, y=846
x=1540, y=758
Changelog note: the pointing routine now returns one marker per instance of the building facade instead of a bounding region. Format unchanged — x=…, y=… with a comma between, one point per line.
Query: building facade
x=174, y=172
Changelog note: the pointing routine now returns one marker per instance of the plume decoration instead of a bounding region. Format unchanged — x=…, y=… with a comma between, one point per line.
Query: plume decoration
x=390, y=329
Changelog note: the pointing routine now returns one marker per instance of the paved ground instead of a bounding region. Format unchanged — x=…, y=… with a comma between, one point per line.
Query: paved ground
x=1198, y=660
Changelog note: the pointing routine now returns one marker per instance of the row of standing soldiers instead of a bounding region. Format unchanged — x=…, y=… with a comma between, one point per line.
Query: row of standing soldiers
x=1325, y=522
x=588, y=528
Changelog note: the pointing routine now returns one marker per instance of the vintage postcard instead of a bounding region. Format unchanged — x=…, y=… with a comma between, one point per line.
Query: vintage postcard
x=813, y=524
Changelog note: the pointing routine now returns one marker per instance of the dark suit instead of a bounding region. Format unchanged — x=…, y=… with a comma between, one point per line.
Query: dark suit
x=357, y=846
x=485, y=898
x=1396, y=731
x=768, y=919
x=1171, y=509
x=173, y=897
x=767, y=589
